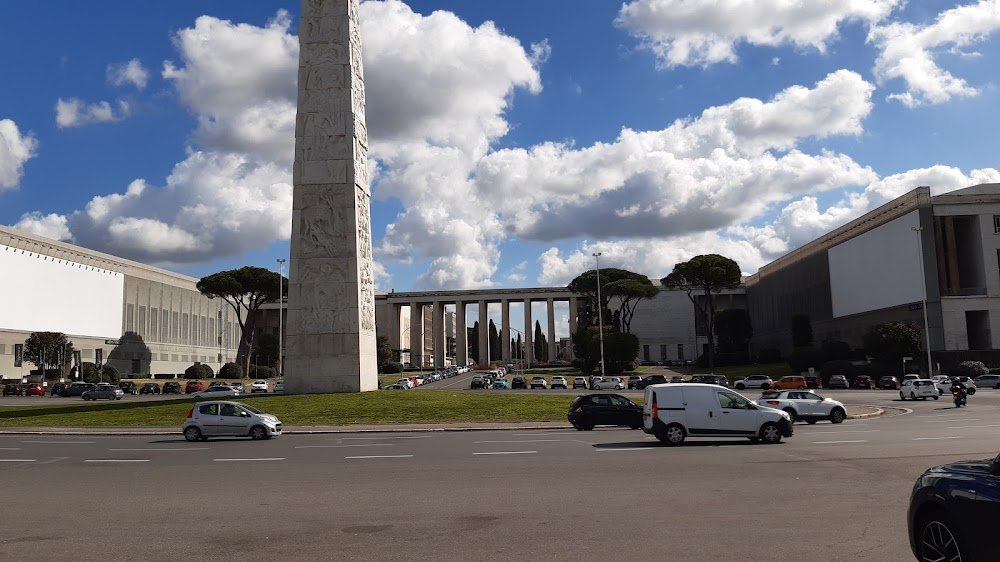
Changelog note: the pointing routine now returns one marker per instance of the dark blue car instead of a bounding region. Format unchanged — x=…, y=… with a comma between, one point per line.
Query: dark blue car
x=954, y=510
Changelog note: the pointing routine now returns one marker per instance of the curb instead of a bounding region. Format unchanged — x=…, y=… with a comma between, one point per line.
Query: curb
x=878, y=412
x=119, y=433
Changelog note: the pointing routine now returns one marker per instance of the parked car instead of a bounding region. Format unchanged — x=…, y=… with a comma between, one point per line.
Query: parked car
x=478, y=381
x=579, y=382
x=918, y=388
x=34, y=389
x=518, y=382
x=722, y=380
x=804, y=405
x=194, y=386
x=590, y=410
x=888, y=383
x=237, y=386
x=409, y=383
x=632, y=380
x=944, y=382
x=953, y=511
x=12, y=390
x=838, y=381
x=57, y=388
x=76, y=389
x=674, y=412
x=650, y=380
x=794, y=382
x=559, y=382
x=539, y=382
x=812, y=381
x=215, y=392
x=396, y=387
x=171, y=388
x=150, y=388
x=258, y=386
x=864, y=381
x=987, y=381
x=673, y=379
x=702, y=379
x=211, y=419
x=610, y=383
x=218, y=383
x=103, y=392
x=278, y=386
x=501, y=384
x=128, y=387
x=762, y=382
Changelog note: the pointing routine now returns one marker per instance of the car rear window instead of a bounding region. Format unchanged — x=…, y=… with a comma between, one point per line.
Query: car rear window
x=922, y=383
x=770, y=394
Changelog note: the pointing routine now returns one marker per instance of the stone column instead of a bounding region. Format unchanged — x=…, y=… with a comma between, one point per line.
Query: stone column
x=572, y=325
x=394, y=339
x=550, y=311
x=437, y=322
x=461, y=335
x=529, y=327
x=416, y=334
x=505, y=329
x=484, y=334
x=331, y=290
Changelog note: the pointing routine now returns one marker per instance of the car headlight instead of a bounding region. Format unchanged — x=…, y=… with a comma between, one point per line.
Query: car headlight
x=786, y=416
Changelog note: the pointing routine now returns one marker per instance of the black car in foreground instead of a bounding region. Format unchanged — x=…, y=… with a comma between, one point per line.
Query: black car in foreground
x=953, y=512
x=604, y=409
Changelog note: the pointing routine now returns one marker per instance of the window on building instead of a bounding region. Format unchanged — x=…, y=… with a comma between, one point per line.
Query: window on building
x=663, y=352
x=645, y=353
x=996, y=224
x=175, y=321
x=154, y=324
x=185, y=322
x=129, y=318
x=680, y=352
x=142, y=322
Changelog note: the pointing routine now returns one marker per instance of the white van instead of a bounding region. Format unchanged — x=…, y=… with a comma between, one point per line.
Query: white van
x=673, y=412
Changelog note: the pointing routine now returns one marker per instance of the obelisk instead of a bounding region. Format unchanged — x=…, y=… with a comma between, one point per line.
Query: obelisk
x=331, y=292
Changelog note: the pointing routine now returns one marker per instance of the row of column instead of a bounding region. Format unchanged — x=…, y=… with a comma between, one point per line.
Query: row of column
x=439, y=341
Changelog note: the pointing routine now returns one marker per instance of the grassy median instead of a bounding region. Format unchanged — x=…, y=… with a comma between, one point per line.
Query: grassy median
x=386, y=407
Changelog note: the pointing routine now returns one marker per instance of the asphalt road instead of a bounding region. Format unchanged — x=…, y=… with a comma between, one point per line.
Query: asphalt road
x=830, y=492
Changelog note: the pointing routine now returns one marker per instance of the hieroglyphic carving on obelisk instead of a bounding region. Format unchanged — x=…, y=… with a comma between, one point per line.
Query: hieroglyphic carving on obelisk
x=331, y=294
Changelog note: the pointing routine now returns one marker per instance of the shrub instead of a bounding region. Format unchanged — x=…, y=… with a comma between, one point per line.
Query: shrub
x=198, y=371
x=805, y=357
x=392, y=368
x=231, y=371
x=995, y=370
x=260, y=372
x=971, y=369
x=838, y=367
x=110, y=374
x=769, y=355
x=89, y=372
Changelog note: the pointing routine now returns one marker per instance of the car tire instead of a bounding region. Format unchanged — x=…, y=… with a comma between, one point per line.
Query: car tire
x=86, y=398
x=902, y=397
x=765, y=386
x=838, y=415
x=913, y=396
x=111, y=398
x=770, y=434
x=936, y=530
x=258, y=433
x=972, y=391
x=740, y=386
x=672, y=435
x=792, y=414
x=192, y=434
x=936, y=397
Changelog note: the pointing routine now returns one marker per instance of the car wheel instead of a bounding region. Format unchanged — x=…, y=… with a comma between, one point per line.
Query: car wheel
x=838, y=415
x=972, y=391
x=740, y=387
x=672, y=435
x=192, y=433
x=937, y=539
x=902, y=397
x=791, y=414
x=765, y=386
x=258, y=432
x=936, y=397
x=87, y=398
x=770, y=434
x=913, y=396
x=112, y=397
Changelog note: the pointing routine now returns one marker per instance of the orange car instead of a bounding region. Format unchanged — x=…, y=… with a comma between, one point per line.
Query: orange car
x=790, y=383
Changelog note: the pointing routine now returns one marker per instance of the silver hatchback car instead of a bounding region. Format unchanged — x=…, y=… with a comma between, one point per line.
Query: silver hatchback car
x=218, y=418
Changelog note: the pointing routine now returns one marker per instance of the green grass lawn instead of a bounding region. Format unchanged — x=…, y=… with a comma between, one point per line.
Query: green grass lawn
x=386, y=407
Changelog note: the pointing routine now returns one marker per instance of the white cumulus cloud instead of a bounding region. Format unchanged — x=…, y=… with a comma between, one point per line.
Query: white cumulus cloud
x=15, y=149
x=705, y=32
x=131, y=72
x=76, y=113
x=907, y=51
x=50, y=226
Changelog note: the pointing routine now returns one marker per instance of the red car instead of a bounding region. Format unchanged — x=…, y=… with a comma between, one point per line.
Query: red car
x=193, y=386
x=34, y=389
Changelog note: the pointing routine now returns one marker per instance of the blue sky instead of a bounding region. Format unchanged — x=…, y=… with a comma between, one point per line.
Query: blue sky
x=511, y=140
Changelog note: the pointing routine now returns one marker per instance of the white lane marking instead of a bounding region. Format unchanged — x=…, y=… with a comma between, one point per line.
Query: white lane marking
x=257, y=459
x=846, y=431
x=832, y=442
x=938, y=415
x=17, y=460
x=972, y=426
x=626, y=449
x=933, y=438
x=507, y=453
x=350, y=445
x=544, y=432
x=380, y=457
x=525, y=441
x=951, y=421
x=61, y=442
x=165, y=449
x=116, y=460
x=381, y=438
x=10, y=448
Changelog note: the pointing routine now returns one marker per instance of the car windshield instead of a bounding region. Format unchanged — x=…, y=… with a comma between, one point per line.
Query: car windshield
x=251, y=409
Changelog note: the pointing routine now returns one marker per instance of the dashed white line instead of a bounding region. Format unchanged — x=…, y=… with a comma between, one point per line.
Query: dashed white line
x=972, y=426
x=846, y=431
x=544, y=432
x=627, y=449
x=934, y=438
x=350, y=445
x=382, y=438
x=61, y=442
x=525, y=441
x=10, y=448
x=116, y=460
x=937, y=415
x=832, y=442
x=17, y=460
x=507, y=453
x=258, y=459
x=380, y=457
x=951, y=421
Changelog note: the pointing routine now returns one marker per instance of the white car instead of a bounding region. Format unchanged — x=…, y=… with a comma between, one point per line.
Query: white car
x=610, y=383
x=211, y=419
x=919, y=388
x=987, y=381
x=279, y=386
x=762, y=382
x=559, y=382
x=216, y=392
x=258, y=386
x=405, y=382
x=538, y=382
x=803, y=405
x=943, y=383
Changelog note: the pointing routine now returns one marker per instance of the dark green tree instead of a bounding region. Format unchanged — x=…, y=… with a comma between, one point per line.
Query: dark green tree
x=473, y=341
x=266, y=353
x=110, y=374
x=802, y=332
x=231, y=371
x=733, y=330
x=384, y=351
x=540, y=345
x=495, y=351
x=45, y=349
x=624, y=287
x=709, y=274
x=89, y=373
x=891, y=341
x=245, y=289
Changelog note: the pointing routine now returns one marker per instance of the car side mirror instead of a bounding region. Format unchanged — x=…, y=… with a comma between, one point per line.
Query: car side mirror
x=751, y=406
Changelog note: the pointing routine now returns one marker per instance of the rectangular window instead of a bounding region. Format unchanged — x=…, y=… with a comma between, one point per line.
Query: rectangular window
x=129, y=318
x=142, y=322
x=211, y=331
x=645, y=353
x=185, y=323
x=996, y=224
x=205, y=336
x=663, y=352
x=175, y=321
x=680, y=352
x=154, y=324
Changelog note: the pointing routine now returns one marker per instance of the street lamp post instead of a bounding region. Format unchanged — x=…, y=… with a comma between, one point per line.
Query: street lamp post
x=923, y=285
x=281, y=310
x=600, y=313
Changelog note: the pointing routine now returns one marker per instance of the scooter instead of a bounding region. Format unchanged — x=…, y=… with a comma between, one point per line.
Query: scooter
x=960, y=399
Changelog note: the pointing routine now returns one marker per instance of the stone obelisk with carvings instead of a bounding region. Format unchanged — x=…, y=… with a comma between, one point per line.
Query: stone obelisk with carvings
x=331, y=298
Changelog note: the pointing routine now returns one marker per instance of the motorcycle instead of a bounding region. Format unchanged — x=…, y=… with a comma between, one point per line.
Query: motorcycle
x=960, y=399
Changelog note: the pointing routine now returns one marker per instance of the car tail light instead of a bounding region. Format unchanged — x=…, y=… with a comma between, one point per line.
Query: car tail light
x=656, y=411
x=773, y=402
x=191, y=412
